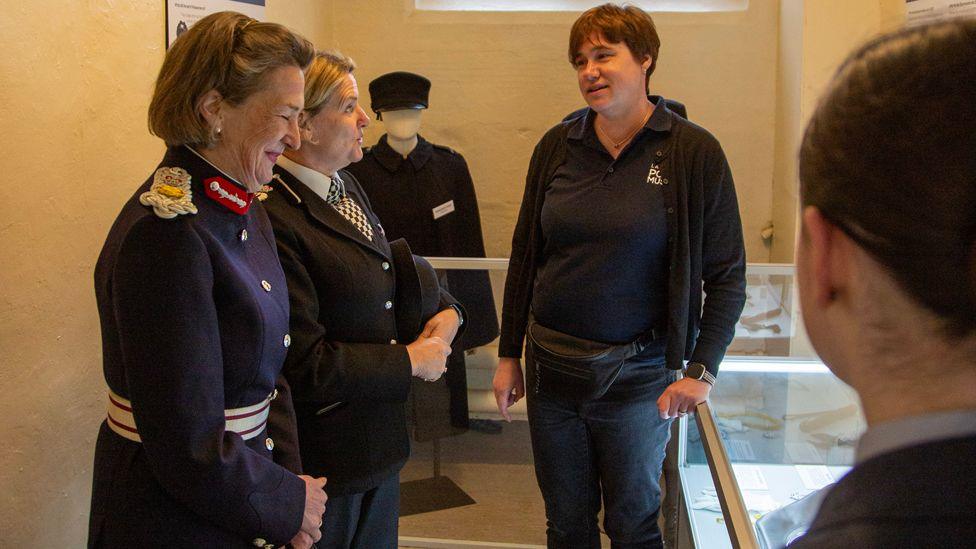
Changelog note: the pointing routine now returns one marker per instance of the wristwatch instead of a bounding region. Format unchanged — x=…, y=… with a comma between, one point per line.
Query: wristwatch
x=697, y=370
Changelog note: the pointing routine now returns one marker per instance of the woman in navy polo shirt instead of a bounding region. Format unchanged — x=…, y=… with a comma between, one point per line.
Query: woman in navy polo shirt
x=629, y=212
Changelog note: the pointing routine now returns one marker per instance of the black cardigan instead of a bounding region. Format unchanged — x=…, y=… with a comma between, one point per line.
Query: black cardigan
x=705, y=243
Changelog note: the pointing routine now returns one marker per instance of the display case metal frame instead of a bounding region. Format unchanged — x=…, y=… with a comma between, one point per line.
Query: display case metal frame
x=742, y=534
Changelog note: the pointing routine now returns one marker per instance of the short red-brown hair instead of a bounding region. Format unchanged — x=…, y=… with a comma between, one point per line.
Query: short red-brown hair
x=628, y=24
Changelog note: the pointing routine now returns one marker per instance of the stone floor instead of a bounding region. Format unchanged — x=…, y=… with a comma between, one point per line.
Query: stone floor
x=496, y=471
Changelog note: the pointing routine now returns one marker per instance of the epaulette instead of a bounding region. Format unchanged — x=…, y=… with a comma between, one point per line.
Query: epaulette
x=262, y=195
x=170, y=194
x=445, y=148
x=292, y=195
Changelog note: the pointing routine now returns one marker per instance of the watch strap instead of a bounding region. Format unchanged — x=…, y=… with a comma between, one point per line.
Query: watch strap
x=705, y=375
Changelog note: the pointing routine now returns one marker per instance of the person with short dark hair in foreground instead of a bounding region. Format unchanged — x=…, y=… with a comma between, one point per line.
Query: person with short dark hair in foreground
x=886, y=267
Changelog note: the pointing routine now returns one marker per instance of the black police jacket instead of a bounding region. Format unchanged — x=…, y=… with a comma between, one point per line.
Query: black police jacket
x=407, y=194
x=348, y=365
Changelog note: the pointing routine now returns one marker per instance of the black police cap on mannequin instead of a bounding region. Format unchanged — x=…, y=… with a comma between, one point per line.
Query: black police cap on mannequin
x=398, y=90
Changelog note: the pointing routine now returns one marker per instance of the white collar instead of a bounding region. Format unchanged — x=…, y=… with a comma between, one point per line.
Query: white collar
x=911, y=431
x=214, y=166
x=315, y=180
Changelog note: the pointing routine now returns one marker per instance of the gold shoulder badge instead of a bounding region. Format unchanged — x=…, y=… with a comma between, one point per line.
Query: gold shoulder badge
x=262, y=195
x=170, y=193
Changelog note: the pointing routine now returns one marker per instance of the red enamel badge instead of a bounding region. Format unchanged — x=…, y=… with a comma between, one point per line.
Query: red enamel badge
x=228, y=195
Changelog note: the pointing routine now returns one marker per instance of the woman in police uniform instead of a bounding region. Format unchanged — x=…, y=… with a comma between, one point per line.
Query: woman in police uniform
x=194, y=310
x=352, y=354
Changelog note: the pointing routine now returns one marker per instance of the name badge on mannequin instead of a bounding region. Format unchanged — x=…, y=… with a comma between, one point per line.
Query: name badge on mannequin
x=443, y=209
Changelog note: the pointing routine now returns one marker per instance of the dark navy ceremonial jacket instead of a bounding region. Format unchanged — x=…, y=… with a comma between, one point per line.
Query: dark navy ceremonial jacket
x=194, y=317
x=429, y=199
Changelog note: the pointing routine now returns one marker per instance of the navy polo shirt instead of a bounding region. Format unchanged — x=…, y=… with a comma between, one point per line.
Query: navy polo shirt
x=604, y=270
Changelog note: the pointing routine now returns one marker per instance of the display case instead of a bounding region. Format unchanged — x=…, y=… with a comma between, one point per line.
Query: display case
x=775, y=431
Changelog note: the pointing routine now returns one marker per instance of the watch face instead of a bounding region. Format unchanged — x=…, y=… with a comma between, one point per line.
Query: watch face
x=695, y=370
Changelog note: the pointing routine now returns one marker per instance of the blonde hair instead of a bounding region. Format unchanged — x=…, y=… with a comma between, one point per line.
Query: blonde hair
x=323, y=78
x=227, y=52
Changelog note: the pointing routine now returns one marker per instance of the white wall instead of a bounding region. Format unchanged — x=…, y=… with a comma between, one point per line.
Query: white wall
x=816, y=37
x=500, y=80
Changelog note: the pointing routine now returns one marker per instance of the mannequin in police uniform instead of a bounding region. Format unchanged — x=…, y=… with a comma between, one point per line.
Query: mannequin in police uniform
x=423, y=192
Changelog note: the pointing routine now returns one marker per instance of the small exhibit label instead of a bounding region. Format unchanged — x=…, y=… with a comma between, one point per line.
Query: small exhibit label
x=814, y=477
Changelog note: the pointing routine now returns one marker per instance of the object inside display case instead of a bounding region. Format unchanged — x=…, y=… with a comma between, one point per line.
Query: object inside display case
x=766, y=324
x=788, y=429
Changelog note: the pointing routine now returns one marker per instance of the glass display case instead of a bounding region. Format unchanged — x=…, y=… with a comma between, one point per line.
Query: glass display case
x=767, y=325
x=775, y=431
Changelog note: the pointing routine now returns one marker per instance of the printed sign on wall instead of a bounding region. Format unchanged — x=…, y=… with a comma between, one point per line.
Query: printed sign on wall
x=929, y=11
x=182, y=14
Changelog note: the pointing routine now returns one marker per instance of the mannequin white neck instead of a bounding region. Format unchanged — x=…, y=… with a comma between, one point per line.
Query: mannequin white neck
x=403, y=146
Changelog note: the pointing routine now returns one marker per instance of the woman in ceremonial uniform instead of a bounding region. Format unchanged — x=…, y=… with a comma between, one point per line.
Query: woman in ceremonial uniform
x=194, y=308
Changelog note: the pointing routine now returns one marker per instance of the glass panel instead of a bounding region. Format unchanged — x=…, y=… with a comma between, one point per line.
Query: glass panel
x=493, y=469
x=789, y=428
x=768, y=324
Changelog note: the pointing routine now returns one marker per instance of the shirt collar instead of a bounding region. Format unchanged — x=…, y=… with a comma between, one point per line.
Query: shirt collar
x=391, y=160
x=214, y=166
x=660, y=120
x=315, y=180
x=912, y=431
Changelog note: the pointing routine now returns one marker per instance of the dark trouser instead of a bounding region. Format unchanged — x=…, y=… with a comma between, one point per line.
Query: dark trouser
x=365, y=520
x=611, y=447
x=457, y=382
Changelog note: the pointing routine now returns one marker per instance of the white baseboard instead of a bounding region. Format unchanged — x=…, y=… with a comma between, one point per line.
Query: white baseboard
x=436, y=543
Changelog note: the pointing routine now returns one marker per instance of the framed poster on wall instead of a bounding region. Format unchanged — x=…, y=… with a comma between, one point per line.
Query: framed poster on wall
x=920, y=12
x=182, y=14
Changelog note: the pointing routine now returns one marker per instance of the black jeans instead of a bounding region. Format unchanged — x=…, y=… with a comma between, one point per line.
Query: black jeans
x=611, y=447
